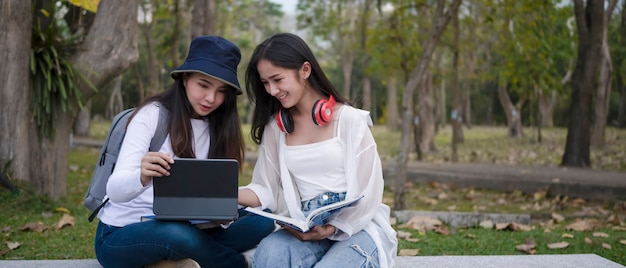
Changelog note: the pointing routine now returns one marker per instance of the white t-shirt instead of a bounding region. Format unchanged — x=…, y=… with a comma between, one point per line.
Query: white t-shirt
x=317, y=168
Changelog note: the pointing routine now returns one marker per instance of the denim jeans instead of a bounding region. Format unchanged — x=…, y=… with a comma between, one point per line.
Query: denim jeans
x=142, y=243
x=281, y=249
x=320, y=201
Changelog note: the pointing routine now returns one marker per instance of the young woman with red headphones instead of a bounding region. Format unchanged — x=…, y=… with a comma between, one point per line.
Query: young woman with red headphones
x=314, y=149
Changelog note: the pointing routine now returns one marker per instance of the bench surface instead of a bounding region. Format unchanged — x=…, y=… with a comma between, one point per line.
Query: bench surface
x=510, y=261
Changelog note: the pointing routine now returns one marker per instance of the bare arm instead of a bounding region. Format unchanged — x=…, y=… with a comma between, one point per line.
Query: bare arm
x=248, y=198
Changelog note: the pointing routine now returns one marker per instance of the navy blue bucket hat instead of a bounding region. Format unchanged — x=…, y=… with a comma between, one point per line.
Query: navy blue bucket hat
x=213, y=56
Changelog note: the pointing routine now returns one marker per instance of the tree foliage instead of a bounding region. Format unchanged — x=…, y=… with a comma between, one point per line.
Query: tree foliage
x=53, y=75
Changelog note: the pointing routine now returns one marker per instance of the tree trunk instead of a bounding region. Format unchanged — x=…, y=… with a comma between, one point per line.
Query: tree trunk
x=15, y=115
x=203, y=20
x=619, y=61
x=115, y=103
x=424, y=122
x=490, y=103
x=347, y=61
x=108, y=49
x=590, y=25
x=547, y=102
x=441, y=107
x=141, y=89
x=603, y=94
x=367, y=93
x=455, y=117
x=441, y=21
x=81, y=125
x=513, y=114
x=604, y=85
x=151, y=68
x=467, y=106
x=176, y=34
x=393, y=118
x=440, y=96
x=621, y=115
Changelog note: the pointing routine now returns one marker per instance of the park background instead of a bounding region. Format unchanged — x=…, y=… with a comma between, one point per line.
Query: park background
x=514, y=82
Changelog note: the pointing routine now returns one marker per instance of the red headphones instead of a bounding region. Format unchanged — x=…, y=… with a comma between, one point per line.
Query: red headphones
x=321, y=113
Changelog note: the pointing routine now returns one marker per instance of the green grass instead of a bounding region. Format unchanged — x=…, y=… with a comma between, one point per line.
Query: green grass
x=476, y=241
x=482, y=144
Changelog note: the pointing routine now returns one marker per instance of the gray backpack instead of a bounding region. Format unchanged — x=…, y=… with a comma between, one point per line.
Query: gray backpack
x=94, y=198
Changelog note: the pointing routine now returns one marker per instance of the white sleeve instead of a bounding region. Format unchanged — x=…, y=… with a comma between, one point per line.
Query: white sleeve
x=125, y=182
x=266, y=182
x=363, y=171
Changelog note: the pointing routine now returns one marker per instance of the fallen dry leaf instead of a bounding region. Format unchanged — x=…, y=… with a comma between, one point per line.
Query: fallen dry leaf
x=623, y=242
x=62, y=209
x=540, y=194
x=65, y=221
x=408, y=252
x=599, y=234
x=486, y=224
x=566, y=235
x=35, y=227
x=519, y=227
x=442, y=230
x=557, y=217
x=412, y=240
x=74, y=167
x=403, y=234
x=582, y=225
x=513, y=226
x=606, y=246
x=588, y=240
x=428, y=200
x=578, y=202
x=528, y=247
x=502, y=225
x=614, y=219
x=13, y=245
x=472, y=236
x=422, y=223
x=558, y=245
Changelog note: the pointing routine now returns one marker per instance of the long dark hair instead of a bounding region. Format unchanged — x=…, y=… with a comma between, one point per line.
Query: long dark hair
x=225, y=127
x=287, y=51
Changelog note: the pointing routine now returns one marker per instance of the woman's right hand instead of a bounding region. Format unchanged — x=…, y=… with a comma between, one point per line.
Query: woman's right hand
x=155, y=164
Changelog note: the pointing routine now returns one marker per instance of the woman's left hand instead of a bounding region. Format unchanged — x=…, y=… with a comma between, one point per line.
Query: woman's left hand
x=318, y=232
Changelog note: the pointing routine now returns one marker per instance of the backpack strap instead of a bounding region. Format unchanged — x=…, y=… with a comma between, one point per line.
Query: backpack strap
x=161, y=131
x=155, y=144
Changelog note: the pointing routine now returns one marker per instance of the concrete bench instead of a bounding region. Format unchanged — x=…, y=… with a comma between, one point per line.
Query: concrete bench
x=509, y=261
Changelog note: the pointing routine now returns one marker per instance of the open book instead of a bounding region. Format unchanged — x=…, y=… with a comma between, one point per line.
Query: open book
x=316, y=217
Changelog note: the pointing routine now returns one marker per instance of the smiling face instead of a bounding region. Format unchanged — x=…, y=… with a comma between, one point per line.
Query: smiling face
x=205, y=93
x=286, y=85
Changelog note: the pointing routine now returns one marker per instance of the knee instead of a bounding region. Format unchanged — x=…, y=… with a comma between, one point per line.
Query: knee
x=180, y=234
x=275, y=245
x=370, y=259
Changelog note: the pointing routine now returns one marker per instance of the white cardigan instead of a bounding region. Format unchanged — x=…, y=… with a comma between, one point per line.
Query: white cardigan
x=363, y=173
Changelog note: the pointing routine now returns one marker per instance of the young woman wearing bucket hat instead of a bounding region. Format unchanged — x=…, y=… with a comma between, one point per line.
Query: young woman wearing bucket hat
x=315, y=149
x=203, y=123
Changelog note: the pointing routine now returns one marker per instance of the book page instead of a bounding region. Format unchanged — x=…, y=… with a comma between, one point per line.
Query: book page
x=316, y=217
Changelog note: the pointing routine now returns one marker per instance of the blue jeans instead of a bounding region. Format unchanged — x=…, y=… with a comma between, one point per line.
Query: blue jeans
x=281, y=249
x=143, y=243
